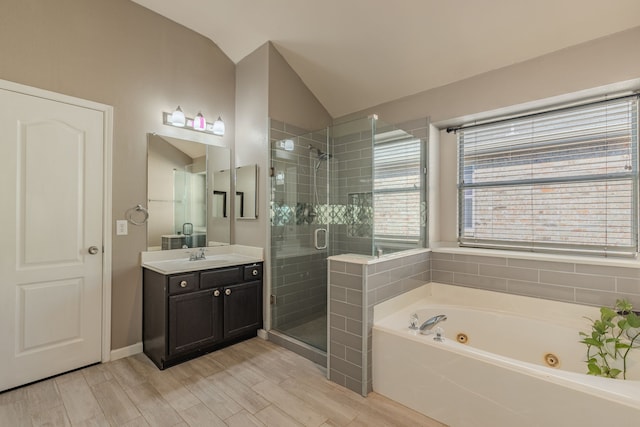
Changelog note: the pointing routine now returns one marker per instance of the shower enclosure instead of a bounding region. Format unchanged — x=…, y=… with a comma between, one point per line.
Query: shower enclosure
x=190, y=207
x=322, y=204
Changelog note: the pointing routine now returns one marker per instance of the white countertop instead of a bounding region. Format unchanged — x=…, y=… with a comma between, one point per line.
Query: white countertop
x=177, y=260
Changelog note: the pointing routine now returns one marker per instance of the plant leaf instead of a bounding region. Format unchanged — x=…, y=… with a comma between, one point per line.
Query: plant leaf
x=614, y=373
x=633, y=319
x=593, y=342
x=594, y=369
x=623, y=324
x=623, y=305
x=607, y=314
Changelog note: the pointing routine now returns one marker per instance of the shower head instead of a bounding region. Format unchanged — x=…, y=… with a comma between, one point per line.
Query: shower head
x=321, y=155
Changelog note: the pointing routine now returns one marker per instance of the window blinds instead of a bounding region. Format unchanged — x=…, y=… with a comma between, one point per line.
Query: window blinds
x=562, y=180
x=397, y=191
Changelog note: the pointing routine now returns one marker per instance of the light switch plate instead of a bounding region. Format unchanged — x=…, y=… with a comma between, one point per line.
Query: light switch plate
x=121, y=227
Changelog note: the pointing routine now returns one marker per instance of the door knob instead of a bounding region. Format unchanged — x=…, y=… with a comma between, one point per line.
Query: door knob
x=216, y=293
x=93, y=250
x=227, y=291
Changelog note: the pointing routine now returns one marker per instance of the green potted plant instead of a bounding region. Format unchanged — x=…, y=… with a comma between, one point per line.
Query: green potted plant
x=612, y=337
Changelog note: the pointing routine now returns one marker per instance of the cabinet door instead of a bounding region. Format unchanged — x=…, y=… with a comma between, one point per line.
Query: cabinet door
x=195, y=320
x=242, y=308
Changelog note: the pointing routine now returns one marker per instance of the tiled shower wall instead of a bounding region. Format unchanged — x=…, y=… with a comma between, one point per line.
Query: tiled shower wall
x=354, y=289
x=299, y=284
x=577, y=282
x=352, y=180
x=353, y=175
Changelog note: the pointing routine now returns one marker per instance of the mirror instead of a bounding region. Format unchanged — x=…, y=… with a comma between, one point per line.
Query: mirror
x=246, y=195
x=182, y=211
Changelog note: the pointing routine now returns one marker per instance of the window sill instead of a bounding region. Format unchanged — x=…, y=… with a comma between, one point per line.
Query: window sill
x=452, y=248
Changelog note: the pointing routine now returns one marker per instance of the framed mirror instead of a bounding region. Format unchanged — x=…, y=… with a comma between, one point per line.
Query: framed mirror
x=183, y=208
x=246, y=202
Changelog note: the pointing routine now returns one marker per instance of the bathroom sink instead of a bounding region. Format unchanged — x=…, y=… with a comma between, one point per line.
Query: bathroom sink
x=180, y=265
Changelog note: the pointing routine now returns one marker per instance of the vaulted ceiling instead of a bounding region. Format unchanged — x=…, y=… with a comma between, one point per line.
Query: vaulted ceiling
x=354, y=54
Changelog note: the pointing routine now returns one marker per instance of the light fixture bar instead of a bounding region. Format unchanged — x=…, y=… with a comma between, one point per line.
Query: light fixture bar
x=209, y=128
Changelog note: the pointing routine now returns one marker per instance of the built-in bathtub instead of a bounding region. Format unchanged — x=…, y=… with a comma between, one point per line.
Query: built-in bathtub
x=491, y=369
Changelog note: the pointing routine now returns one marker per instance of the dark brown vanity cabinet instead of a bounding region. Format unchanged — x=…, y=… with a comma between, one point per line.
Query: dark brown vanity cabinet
x=189, y=314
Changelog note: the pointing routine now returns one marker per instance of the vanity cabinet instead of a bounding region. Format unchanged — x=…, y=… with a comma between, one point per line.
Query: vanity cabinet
x=189, y=314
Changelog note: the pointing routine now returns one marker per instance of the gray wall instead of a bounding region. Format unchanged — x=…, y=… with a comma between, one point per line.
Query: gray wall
x=601, y=66
x=121, y=54
x=267, y=87
x=252, y=110
x=596, y=63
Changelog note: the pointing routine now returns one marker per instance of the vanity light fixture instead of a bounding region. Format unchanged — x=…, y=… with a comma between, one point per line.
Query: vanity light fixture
x=198, y=124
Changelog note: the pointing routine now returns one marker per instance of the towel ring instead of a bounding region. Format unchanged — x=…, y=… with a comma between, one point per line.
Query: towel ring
x=141, y=215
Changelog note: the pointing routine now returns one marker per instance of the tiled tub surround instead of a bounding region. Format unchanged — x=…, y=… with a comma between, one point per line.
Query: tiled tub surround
x=580, y=280
x=356, y=284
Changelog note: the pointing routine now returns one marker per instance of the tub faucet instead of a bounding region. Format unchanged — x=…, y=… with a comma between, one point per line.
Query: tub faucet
x=428, y=324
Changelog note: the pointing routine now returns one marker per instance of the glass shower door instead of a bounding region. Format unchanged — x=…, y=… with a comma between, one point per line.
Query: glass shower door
x=300, y=240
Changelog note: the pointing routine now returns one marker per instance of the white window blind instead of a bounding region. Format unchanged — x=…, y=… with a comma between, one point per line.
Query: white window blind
x=565, y=180
x=397, y=193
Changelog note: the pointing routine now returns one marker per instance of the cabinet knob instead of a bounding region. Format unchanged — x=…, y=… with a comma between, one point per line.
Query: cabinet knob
x=183, y=284
x=227, y=291
x=254, y=272
x=216, y=293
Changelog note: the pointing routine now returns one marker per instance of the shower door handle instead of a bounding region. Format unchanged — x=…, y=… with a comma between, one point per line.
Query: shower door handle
x=316, y=240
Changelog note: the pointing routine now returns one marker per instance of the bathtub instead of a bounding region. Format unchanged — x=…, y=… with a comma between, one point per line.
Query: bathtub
x=506, y=360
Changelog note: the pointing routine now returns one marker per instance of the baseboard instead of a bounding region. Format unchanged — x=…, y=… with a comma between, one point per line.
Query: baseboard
x=123, y=352
x=263, y=334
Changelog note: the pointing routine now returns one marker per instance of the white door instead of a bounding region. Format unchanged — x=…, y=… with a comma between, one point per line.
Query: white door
x=51, y=257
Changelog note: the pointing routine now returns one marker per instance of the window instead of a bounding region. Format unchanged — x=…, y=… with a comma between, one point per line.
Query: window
x=398, y=191
x=564, y=180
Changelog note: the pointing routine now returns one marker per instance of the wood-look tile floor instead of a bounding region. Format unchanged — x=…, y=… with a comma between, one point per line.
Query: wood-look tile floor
x=253, y=383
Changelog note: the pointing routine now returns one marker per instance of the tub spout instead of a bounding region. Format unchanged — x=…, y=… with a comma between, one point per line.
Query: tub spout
x=428, y=324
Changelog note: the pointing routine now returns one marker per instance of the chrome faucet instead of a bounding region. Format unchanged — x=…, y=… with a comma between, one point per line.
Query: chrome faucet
x=197, y=255
x=428, y=324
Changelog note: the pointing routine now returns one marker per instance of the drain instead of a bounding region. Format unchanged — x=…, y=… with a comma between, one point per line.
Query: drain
x=462, y=338
x=551, y=360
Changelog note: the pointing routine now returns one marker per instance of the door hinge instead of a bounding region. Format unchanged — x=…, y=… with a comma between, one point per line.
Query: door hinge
x=272, y=299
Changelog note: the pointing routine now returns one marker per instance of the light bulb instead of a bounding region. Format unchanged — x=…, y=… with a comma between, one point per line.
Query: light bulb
x=177, y=118
x=218, y=127
x=199, y=123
